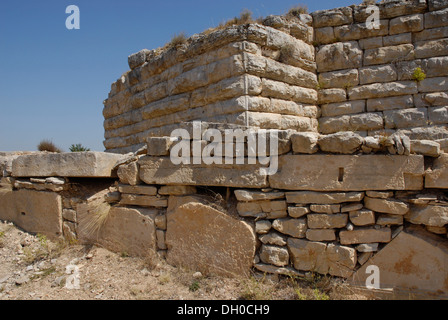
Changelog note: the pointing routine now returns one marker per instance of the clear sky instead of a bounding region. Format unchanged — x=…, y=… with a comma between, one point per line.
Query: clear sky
x=53, y=80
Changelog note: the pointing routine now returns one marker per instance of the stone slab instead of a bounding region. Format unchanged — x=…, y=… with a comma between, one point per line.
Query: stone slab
x=33, y=211
x=349, y=173
x=204, y=239
x=163, y=172
x=415, y=261
x=74, y=164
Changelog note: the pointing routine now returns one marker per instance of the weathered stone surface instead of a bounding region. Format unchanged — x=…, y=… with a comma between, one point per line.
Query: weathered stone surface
x=305, y=142
x=177, y=190
x=74, y=164
x=341, y=260
x=327, y=221
x=437, y=99
x=411, y=23
x=386, y=55
x=434, y=216
x=415, y=262
x=332, y=95
x=362, y=217
x=137, y=59
x=341, y=142
x=324, y=35
x=389, y=220
x=33, y=211
x=433, y=84
x=142, y=200
x=368, y=235
x=129, y=231
x=274, y=255
x=431, y=48
x=69, y=214
x=438, y=115
x=397, y=39
x=318, y=257
x=400, y=102
x=351, y=207
x=436, y=19
x=390, y=206
x=262, y=226
x=343, y=108
x=270, y=269
x=247, y=195
x=425, y=147
x=159, y=146
x=321, y=235
x=334, y=17
x=384, y=73
x=405, y=118
x=367, y=247
x=308, y=255
x=339, y=79
x=142, y=190
x=367, y=121
x=298, y=212
x=293, y=227
x=379, y=194
x=163, y=171
x=325, y=208
x=128, y=173
x=306, y=197
x=360, y=30
x=348, y=173
x=437, y=176
x=381, y=90
x=339, y=56
x=201, y=238
x=274, y=238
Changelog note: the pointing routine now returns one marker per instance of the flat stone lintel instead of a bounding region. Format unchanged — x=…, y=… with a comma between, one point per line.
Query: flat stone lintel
x=321, y=172
x=75, y=164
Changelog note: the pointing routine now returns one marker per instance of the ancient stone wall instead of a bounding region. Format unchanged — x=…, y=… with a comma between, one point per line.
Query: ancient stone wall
x=366, y=76
x=250, y=75
x=362, y=167
x=289, y=72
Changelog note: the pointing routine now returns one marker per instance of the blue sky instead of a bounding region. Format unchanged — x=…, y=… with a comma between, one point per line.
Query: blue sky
x=53, y=80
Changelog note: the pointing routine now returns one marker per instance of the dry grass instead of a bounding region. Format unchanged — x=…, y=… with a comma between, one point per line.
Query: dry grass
x=178, y=40
x=297, y=10
x=97, y=218
x=48, y=145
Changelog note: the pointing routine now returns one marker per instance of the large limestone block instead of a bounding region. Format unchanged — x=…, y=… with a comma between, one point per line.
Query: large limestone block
x=334, y=17
x=341, y=142
x=431, y=48
x=411, y=23
x=322, y=258
x=433, y=216
x=130, y=231
x=339, y=56
x=33, y=211
x=202, y=238
x=327, y=221
x=437, y=176
x=367, y=235
x=162, y=171
x=381, y=90
x=390, y=206
x=309, y=197
x=349, y=173
x=414, y=263
x=386, y=55
x=75, y=164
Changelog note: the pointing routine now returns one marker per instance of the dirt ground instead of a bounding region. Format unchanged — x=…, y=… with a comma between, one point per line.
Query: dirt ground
x=35, y=268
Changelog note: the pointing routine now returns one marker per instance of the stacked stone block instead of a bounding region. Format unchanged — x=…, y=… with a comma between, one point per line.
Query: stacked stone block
x=249, y=75
x=366, y=77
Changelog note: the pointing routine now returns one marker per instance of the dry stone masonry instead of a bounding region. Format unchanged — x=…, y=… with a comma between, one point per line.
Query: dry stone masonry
x=362, y=173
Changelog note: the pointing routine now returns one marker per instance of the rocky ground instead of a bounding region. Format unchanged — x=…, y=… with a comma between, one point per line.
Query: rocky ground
x=35, y=268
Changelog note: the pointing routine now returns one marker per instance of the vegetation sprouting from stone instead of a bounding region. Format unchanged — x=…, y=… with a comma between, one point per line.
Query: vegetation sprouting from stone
x=48, y=145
